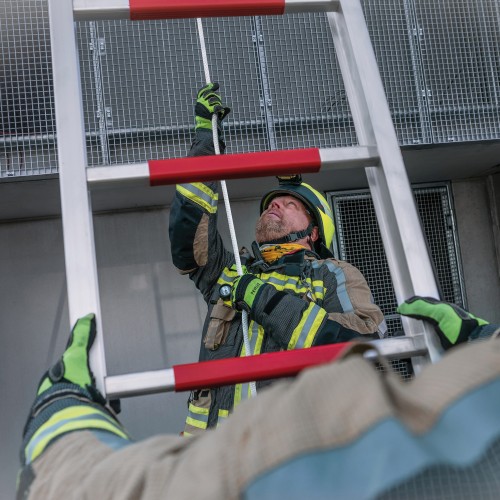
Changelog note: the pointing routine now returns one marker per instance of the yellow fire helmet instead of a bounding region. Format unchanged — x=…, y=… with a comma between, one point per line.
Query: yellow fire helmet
x=316, y=204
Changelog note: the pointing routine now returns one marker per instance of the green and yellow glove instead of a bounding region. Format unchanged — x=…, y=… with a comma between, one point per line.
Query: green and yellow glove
x=208, y=102
x=67, y=400
x=245, y=291
x=453, y=324
x=73, y=367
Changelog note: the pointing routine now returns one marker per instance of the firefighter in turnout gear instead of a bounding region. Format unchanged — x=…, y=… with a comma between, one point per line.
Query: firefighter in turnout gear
x=296, y=294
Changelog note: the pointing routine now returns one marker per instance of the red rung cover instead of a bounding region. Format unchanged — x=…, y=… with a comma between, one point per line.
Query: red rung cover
x=233, y=166
x=208, y=374
x=181, y=9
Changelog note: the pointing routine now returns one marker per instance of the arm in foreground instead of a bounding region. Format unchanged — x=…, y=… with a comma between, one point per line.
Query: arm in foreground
x=67, y=401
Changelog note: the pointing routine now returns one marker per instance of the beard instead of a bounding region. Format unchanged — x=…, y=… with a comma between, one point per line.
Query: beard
x=270, y=229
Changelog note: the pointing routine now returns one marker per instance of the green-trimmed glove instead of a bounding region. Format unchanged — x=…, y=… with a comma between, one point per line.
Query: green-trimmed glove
x=68, y=401
x=244, y=291
x=73, y=367
x=207, y=104
x=453, y=324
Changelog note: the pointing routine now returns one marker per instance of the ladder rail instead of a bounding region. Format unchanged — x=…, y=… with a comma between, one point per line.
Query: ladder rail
x=77, y=219
x=404, y=242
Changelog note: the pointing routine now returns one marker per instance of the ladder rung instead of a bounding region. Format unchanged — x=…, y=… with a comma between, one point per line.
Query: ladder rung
x=208, y=374
x=232, y=166
x=92, y=10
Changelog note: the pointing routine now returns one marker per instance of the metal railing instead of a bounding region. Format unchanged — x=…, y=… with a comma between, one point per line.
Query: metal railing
x=138, y=81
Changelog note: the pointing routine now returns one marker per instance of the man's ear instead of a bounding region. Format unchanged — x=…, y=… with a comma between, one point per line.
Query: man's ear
x=314, y=234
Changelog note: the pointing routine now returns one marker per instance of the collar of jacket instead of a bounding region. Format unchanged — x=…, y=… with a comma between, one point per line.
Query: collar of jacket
x=291, y=264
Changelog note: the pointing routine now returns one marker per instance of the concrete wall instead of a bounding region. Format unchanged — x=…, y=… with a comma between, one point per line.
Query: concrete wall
x=152, y=316
x=476, y=203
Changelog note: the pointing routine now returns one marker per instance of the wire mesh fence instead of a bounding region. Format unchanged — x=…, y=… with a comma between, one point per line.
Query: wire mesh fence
x=459, y=43
x=27, y=124
x=270, y=109
x=439, y=63
x=359, y=242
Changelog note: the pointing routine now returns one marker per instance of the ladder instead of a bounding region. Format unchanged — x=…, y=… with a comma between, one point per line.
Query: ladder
x=378, y=153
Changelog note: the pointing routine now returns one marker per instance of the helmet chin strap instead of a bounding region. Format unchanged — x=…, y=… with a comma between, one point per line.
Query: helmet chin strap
x=291, y=237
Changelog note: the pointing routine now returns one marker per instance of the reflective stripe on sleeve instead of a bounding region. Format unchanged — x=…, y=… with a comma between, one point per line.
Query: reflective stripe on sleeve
x=318, y=289
x=67, y=420
x=304, y=333
x=228, y=276
x=300, y=287
x=200, y=194
x=341, y=291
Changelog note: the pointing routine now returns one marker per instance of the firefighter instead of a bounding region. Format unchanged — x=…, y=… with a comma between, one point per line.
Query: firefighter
x=316, y=439
x=296, y=294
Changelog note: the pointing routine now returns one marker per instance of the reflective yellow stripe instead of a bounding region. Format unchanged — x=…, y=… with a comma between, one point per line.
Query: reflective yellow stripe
x=196, y=423
x=306, y=330
x=70, y=419
x=280, y=282
x=227, y=276
x=255, y=337
x=300, y=287
x=258, y=341
x=200, y=194
x=197, y=416
x=237, y=395
x=198, y=410
x=238, y=388
x=318, y=289
x=223, y=414
x=199, y=186
x=283, y=282
x=314, y=328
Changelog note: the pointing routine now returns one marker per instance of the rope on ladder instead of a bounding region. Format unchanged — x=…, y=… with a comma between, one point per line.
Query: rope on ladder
x=227, y=203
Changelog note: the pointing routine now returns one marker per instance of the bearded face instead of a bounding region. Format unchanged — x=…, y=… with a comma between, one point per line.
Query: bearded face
x=284, y=215
x=268, y=228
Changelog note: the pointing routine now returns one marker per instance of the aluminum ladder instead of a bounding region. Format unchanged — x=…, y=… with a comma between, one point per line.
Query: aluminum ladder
x=378, y=153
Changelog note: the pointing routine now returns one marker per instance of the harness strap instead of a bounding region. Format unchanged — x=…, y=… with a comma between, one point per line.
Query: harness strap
x=291, y=237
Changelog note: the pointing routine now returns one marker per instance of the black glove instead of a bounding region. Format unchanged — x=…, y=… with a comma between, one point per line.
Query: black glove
x=453, y=324
x=207, y=104
x=244, y=291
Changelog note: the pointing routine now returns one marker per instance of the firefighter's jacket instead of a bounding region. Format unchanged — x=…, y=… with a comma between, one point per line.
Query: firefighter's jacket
x=341, y=430
x=324, y=301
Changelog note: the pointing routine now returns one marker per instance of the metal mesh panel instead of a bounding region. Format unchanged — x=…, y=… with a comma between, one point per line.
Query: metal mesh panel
x=27, y=120
x=394, y=33
x=460, y=52
x=439, y=62
x=149, y=74
x=436, y=215
x=307, y=103
x=360, y=243
x=139, y=81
